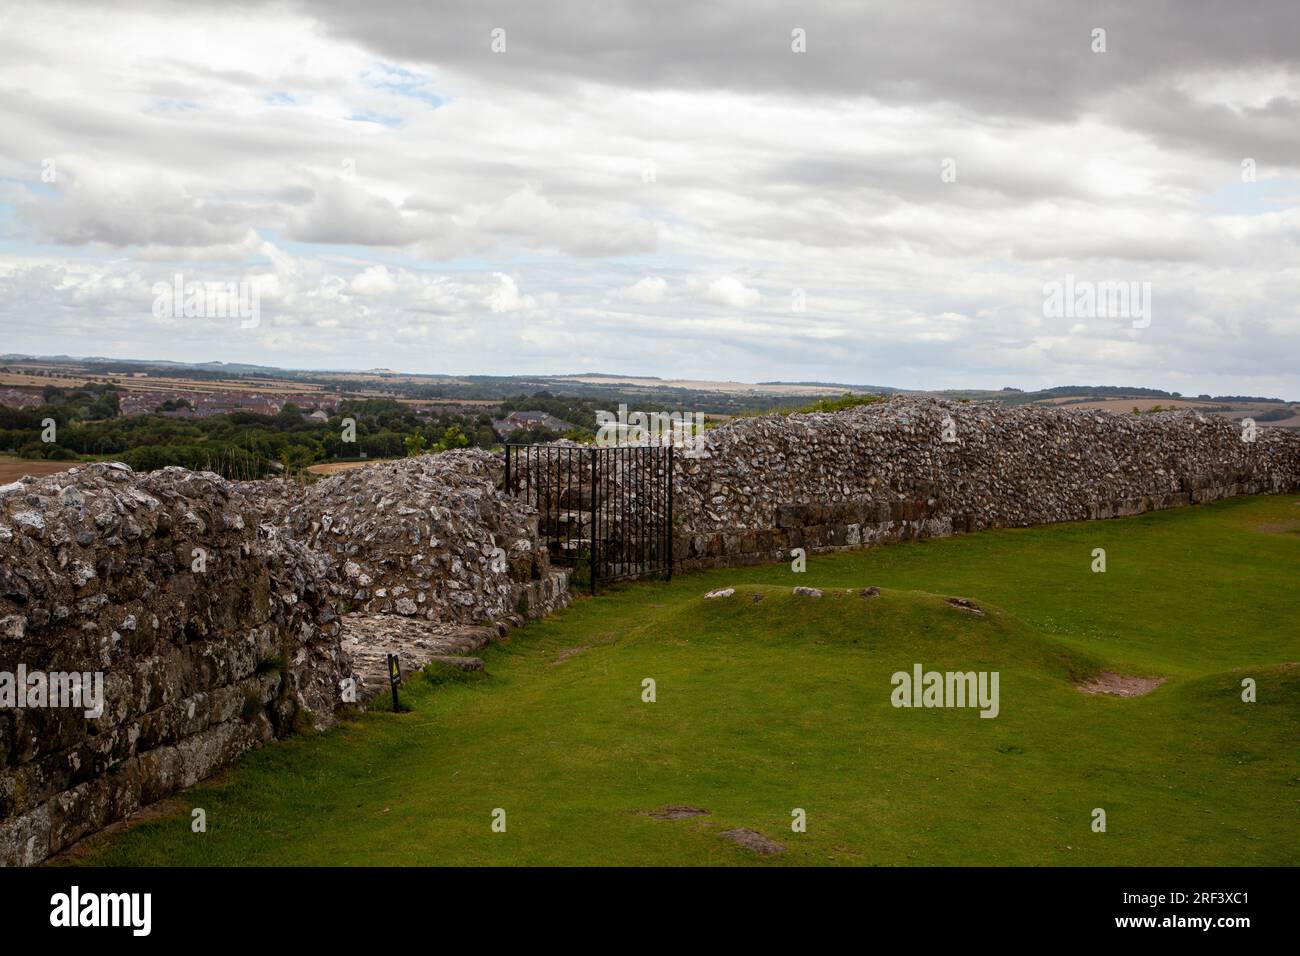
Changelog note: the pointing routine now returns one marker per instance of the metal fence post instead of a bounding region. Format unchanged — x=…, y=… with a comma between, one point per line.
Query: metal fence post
x=670, y=512
x=591, y=551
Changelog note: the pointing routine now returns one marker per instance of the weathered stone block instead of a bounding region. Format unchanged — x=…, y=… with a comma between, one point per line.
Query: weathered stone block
x=25, y=840
x=792, y=515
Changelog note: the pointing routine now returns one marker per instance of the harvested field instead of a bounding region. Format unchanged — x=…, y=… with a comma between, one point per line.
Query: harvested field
x=334, y=467
x=11, y=469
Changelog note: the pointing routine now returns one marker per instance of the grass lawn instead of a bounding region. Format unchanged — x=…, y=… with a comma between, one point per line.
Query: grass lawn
x=767, y=701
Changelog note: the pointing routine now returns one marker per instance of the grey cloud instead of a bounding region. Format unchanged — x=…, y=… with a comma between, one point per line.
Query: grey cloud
x=775, y=170
x=344, y=213
x=152, y=214
x=1270, y=134
x=1017, y=58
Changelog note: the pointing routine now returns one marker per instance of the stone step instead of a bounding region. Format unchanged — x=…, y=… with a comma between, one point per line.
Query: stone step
x=573, y=544
x=369, y=639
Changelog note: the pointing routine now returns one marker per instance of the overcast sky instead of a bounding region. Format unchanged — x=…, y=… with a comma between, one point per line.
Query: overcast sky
x=660, y=188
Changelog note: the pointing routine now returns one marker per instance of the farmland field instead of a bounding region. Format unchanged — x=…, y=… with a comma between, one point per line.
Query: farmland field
x=328, y=468
x=12, y=468
x=767, y=703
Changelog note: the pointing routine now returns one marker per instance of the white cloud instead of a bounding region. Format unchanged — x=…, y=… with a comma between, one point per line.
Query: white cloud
x=730, y=291
x=538, y=223
x=344, y=213
x=649, y=290
x=496, y=216
x=376, y=280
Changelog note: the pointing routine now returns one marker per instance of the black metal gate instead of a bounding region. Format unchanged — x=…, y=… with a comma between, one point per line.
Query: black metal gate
x=608, y=510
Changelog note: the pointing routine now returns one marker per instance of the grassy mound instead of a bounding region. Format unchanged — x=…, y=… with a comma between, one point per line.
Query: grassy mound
x=890, y=627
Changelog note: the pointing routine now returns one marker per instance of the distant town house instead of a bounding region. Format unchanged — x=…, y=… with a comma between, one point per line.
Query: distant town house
x=15, y=398
x=526, y=420
x=201, y=404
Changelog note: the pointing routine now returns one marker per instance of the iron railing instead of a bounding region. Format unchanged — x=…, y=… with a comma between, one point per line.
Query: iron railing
x=607, y=509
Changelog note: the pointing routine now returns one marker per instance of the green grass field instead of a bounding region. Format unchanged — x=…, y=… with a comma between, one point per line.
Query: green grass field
x=768, y=702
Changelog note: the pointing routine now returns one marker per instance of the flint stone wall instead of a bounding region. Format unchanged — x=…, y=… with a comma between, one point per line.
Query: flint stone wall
x=755, y=488
x=417, y=538
x=96, y=576
x=95, y=567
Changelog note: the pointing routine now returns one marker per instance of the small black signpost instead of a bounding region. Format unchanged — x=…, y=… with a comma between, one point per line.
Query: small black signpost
x=394, y=678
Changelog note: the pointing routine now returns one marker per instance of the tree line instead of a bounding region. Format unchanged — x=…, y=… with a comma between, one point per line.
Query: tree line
x=87, y=424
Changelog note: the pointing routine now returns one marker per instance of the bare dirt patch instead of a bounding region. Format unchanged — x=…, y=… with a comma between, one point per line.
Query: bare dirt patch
x=869, y=593
x=11, y=469
x=1278, y=527
x=568, y=652
x=964, y=605
x=675, y=811
x=753, y=840
x=1120, y=685
x=577, y=649
x=328, y=468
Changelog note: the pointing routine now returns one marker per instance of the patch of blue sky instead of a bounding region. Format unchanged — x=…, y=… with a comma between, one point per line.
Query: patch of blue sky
x=281, y=98
x=1252, y=199
x=395, y=79
x=34, y=185
x=175, y=106
x=370, y=116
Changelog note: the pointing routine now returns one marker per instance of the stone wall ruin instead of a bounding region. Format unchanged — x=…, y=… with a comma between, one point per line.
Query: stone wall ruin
x=211, y=637
x=755, y=488
x=430, y=557
x=214, y=613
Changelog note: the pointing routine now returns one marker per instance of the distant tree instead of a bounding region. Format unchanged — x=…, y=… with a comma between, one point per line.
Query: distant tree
x=848, y=400
x=300, y=456
x=453, y=437
x=531, y=436
x=415, y=444
x=1273, y=415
